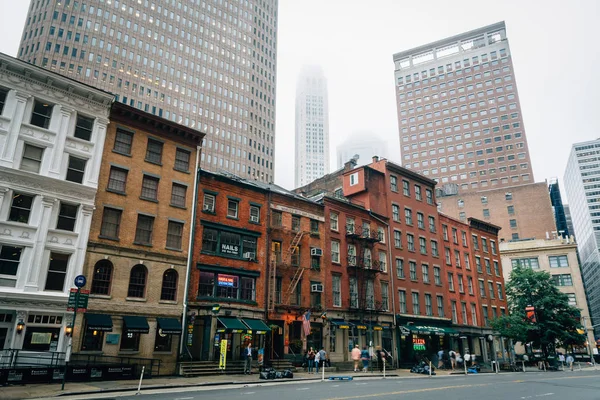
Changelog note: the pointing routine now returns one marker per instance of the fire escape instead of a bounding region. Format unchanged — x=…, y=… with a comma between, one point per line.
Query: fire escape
x=363, y=267
x=287, y=259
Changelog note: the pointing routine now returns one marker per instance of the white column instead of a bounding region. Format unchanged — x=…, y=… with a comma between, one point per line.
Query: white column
x=61, y=137
x=3, y=191
x=98, y=136
x=33, y=277
x=79, y=255
x=16, y=341
x=16, y=119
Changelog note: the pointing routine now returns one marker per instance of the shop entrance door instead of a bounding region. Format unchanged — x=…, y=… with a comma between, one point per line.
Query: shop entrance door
x=3, y=336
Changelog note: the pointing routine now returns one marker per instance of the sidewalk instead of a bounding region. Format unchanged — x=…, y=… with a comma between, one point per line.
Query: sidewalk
x=80, y=388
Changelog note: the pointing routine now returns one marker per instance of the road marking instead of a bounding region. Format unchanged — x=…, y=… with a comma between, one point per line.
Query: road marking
x=538, y=395
x=302, y=388
x=408, y=391
x=184, y=398
x=242, y=393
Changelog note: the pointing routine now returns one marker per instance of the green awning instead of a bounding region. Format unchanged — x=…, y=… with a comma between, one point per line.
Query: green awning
x=256, y=325
x=430, y=330
x=169, y=326
x=340, y=324
x=99, y=322
x=233, y=325
x=135, y=324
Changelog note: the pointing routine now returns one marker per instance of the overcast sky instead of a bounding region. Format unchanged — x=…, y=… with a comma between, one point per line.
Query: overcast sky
x=554, y=44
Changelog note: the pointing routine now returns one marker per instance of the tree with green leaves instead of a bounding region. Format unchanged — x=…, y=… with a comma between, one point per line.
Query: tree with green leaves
x=556, y=323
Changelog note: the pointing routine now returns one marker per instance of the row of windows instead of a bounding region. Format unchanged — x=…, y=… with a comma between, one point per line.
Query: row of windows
x=10, y=260
x=483, y=183
x=559, y=261
x=407, y=192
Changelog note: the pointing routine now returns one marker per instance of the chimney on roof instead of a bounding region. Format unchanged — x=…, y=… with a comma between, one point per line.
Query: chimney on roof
x=375, y=159
x=350, y=164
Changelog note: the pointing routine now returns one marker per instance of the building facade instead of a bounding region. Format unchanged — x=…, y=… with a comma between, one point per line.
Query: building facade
x=523, y=211
x=211, y=66
x=312, y=126
x=581, y=175
x=559, y=258
x=137, y=255
x=559, y=210
x=458, y=111
x=52, y=132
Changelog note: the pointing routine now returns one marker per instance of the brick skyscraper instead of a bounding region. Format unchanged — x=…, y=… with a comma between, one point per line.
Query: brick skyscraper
x=206, y=64
x=459, y=114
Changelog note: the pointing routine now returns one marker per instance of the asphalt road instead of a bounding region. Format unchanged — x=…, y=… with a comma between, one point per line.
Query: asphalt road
x=579, y=385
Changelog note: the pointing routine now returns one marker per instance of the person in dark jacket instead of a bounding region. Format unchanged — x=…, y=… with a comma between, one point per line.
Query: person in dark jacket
x=380, y=356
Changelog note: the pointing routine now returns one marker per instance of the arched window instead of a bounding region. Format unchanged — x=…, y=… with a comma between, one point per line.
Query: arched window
x=137, y=281
x=102, y=277
x=169, y=285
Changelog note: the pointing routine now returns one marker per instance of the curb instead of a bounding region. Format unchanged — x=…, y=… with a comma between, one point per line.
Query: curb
x=205, y=384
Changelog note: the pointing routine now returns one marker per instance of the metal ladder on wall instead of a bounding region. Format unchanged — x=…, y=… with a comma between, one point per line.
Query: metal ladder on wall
x=272, y=282
x=299, y=270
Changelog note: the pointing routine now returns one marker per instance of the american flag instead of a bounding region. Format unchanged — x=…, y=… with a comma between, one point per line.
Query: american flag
x=306, y=323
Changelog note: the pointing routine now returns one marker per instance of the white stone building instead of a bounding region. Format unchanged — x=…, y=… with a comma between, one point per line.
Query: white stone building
x=52, y=132
x=312, y=126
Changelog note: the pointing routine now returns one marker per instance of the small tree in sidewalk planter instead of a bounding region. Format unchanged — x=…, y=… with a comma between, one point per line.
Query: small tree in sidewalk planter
x=555, y=322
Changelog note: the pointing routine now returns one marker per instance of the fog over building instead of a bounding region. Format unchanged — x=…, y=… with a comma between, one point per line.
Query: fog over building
x=365, y=145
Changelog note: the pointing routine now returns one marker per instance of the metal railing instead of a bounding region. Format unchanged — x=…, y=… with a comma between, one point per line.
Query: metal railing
x=11, y=358
x=152, y=364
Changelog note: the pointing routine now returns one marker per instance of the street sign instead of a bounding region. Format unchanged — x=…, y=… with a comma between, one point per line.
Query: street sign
x=80, y=281
x=82, y=301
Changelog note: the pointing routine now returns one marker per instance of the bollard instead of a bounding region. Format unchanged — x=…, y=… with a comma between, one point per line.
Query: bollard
x=497, y=367
x=579, y=364
x=523, y=365
x=430, y=369
x=384, y=368
x=323, y=372
x=141, y=377
x=465, y=364
x=544, y=364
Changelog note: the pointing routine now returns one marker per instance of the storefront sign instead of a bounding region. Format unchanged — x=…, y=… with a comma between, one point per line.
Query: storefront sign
x=230, y=249
x=112, y=338
x=223, y=355
x=226, y=280
x=418, y=343
x=362, y=327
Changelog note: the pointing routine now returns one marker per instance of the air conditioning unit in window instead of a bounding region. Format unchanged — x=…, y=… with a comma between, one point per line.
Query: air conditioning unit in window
x=208, y=207
x=316, y=288
x=316, y=252
x=254, y=218
x=250, y=256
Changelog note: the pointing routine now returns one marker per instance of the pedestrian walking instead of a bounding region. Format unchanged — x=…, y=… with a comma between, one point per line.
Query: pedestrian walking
x=380, y=355
x=440, y=355
x=322, y=357
x=317, y=361
x=364, y=356
x=311, y=360
x=570, y=361
x=467, y=358
x=452, y=355
x=561, y=359
x=356, y=356
x=248, y=359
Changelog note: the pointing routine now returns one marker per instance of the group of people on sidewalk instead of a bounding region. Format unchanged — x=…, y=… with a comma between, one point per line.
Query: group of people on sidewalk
x=452, y=359
x=363, y=356
x=316, y=359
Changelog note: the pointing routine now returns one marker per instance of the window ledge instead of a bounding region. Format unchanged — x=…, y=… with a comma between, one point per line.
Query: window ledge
x=91, y=352
x=116, y=192
x=153, y=162
x=101, y=296
x=234, y=218
x=136, y=299
x=183, y=171
x=143, y=244
x=174, y=249
x=121, y=153
x=162, y=352
x=108, y=238
x=177, y=206
x=167, y=302
x=128, y=352
x=209, y=212
x=254, y=223
x=149, y=199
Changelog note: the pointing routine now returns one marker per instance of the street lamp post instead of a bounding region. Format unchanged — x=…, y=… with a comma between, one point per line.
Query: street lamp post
x=588, y=342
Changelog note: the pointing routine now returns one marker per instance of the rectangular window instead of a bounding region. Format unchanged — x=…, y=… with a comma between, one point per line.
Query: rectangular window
x=513, y=223
x=572, y=299
x=174, y=235
x=457, y=258
x=428, y=305
x=461, y=287
x=76, y=169
x=335, y=251
x=149, y=188
x=486, y=317
x=395, y=213
x=418, y=194
x=440, y=306
x=464, y=238
x=475, y=242
x=333, y=221
x=425, y=272
x=420, y=221
x=3, y=94
x=447, y=256
x=500, y=293
x=408, y=216
x=83, y=127
x=463, y=307
x=429, y=196
x=336, y=284
x=117, y=180
x=478, y=264
x=295, y=223
x=451, y=281
x=20, y=208
x=385, y=301
x=111, y=221
x=255, y=214
x=398, y=239
x=454, y=313
x=412, y=266
x=434, y=248
x=562, y=280
x=182, y=160
x=467, y=262
x=558, y=261
x=431, y=224
x=531, y=262
x=40, y=116
x=351, y=255
x=402, y=299
x=295, y=258
x=154, y=151
x=208, y=204
x=470, y=284
x=400, y=268
x=382, y=261
x=481, y=288
x=123, y=142
x=67, y=215
x=314, y=226
x=353, y=293
x=445, y=232
x=209, y=240
x=232, y=208
x=423, y=245
x=484, y=245
x=493, y=246
x=410, y=241
x=57, y=271
x=474, y=314
x=143, y=231
x=491, y=290
x=406, y=188
x=10, y=257
x=32, y=158
x=415, y=303
x=488, y=267
x=393, y=183
x=437, y=276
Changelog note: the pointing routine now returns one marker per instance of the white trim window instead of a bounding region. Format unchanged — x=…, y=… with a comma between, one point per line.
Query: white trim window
x=336, y=283
x=335, y=251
